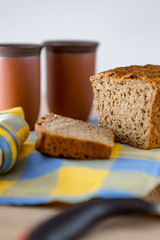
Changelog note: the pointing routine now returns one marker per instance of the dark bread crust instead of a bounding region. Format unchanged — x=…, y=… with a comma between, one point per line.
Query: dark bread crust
x=154, y=136
x=60, y=146
x=147, y=73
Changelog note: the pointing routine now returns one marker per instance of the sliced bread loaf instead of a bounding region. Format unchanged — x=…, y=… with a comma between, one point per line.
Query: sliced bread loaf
x=128, y=102
x=60, y=136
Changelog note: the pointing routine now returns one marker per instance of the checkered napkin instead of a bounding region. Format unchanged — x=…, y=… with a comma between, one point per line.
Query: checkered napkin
x=40, y=179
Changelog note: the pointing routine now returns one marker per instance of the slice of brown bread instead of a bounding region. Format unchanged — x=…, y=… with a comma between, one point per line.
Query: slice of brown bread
x=60, y=136
x=128, y=102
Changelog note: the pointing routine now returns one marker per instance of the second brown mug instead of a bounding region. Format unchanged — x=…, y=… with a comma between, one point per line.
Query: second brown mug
x=69, y=65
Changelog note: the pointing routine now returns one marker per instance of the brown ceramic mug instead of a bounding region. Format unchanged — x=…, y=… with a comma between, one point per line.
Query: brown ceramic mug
x=69, y=65
x=20, y=79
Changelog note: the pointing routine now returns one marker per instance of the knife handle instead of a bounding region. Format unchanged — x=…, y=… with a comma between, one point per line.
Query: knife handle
x=74, y=221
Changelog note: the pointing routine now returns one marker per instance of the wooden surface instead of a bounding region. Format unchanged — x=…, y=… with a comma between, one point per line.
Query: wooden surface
x=15, y=221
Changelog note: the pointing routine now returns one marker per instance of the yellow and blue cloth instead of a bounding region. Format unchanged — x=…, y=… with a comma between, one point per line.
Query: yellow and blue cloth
x=40, y=179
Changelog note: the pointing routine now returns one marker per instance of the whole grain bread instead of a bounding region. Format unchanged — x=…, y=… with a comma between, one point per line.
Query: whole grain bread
x=128, y=102
x=60, y=136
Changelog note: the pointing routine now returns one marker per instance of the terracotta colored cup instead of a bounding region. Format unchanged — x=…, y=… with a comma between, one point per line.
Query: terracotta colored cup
x=69, y=66
x=20, y=79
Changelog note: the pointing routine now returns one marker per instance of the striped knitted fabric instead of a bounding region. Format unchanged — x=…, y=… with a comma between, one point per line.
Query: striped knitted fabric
x=13, y=133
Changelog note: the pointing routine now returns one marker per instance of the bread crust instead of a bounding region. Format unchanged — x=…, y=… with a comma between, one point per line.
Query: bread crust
x=60, y=146
x=154, y=136
x=147, y=73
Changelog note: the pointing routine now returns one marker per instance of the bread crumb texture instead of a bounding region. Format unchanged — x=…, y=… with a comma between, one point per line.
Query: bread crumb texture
x=127, y=100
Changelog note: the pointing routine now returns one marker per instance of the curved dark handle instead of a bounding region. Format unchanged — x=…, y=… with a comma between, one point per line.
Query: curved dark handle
x=74, y=221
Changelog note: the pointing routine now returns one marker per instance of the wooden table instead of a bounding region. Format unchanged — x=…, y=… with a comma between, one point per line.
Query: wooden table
x=15, y=221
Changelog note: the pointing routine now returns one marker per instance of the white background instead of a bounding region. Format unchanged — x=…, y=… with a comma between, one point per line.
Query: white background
x=128, y=31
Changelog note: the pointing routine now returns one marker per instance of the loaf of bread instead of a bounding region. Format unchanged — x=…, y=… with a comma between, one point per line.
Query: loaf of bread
x=60, y=136
x=128, y=102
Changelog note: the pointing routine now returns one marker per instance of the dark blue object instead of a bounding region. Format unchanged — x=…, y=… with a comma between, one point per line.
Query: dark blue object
x=73, y=222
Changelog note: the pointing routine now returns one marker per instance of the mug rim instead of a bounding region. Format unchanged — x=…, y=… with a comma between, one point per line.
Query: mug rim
x=19, y=49
x=71, y=46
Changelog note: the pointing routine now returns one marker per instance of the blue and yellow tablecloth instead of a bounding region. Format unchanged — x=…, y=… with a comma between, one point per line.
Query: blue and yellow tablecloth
x=40, y=179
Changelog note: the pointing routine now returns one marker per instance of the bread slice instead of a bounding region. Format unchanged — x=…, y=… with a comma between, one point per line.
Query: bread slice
x=128, y=102
x=60, y=136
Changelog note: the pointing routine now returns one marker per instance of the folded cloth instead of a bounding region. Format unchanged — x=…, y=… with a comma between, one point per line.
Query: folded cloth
x=40, y=179
x=13, y=133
